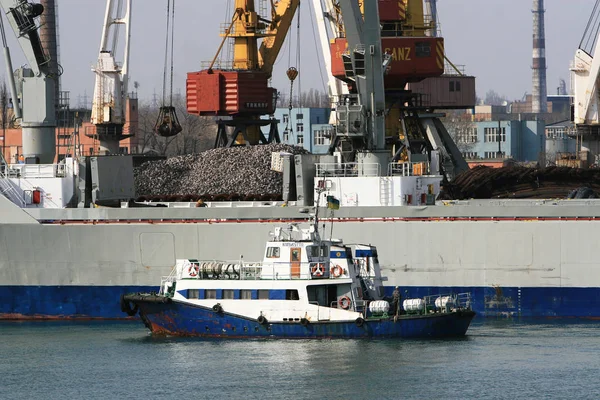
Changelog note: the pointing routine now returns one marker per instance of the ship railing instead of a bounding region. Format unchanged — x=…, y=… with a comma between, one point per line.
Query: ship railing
x=242, y=270
x=345, y=170
x=172, y=277
x=34, y=171
x=408, y=169
x=286, y=270
x=8, y=190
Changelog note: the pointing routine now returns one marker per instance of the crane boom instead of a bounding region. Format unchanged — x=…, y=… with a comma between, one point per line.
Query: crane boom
x=110, y=90
x=364, y=42
x=282, y=14
x=325, y=24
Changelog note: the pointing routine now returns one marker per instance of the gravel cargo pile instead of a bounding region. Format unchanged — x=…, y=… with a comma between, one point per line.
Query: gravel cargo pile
x=239, y=172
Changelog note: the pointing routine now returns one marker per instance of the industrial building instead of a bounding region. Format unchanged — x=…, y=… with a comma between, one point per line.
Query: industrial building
x=75, y=134
x=521, y=140
x=306, y=127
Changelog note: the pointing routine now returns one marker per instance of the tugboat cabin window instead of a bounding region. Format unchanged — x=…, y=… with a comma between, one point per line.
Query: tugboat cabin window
x=326, y=295
x=292, y=294
x=246, y=294
x=317, y=251
x=193, y=294
x=273, y=252
x=263, y=294
x=210, y=293
x=228, y=294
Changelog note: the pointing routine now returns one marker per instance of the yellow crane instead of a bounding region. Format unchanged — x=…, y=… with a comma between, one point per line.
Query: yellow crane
x=242, y=92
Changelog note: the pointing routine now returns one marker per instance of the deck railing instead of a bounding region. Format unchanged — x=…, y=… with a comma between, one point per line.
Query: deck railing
x=241, y=270
x=34, y=170
x=353, y=169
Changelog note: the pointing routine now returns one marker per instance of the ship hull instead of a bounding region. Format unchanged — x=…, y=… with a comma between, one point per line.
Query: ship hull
x=180, y=319
x=530, y=261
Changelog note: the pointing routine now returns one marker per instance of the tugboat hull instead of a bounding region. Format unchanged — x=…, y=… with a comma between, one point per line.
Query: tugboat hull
x=170, y=317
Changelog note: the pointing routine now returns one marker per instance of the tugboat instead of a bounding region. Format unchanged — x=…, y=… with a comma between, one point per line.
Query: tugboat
x=305, y=287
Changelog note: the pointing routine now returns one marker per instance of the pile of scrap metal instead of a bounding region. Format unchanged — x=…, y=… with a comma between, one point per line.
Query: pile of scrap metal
x=523, y=183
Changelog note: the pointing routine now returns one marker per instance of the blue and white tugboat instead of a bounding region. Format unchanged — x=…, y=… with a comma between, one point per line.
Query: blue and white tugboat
x=305, y=287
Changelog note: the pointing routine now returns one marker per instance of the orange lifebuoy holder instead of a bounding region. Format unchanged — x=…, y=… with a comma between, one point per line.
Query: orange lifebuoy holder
x=344, y=302
x=193, y=270
x=317, y=270
x=336, y=271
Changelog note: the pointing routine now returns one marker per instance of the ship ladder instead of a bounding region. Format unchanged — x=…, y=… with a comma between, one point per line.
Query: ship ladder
x=385, y=189
x=7, y=189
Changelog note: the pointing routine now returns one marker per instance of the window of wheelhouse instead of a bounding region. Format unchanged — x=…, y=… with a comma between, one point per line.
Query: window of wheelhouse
x=317, y=251
x=228, y=294
x=246, y=294
x=210, y=293
x=263, y=294
x=292, y=294
x=273, y=252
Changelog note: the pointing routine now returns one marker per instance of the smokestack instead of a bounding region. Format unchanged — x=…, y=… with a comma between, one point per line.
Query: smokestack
x=539, y=90
x=48, y=38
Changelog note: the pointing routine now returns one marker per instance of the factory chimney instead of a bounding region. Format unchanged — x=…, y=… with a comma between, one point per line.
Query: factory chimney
x=539, y=90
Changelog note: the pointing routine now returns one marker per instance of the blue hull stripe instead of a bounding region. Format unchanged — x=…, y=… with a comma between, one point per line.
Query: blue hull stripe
x=22, y=302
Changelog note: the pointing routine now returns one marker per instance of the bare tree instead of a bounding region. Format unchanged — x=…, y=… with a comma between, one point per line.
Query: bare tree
x=492, y=98
x=312, y=98
x=282, y=100
x=462, y=130
x=197, y=134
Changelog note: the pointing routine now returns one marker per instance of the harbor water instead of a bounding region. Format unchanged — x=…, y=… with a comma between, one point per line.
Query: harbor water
x=497, y=359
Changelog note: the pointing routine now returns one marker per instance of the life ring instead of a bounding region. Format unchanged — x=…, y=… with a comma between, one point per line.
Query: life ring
x=317, y=270
x=344, y=302
x=193, y=270
x=336, y=271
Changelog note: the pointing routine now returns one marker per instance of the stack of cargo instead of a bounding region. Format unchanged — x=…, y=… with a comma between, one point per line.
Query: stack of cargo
x=238, y=173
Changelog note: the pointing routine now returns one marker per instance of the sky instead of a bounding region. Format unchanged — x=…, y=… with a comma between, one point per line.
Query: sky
x=492, y=38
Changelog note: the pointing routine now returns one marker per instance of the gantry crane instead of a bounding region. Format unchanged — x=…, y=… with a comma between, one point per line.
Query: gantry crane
x=240, y=92
x=36, y=86
x=110, y=90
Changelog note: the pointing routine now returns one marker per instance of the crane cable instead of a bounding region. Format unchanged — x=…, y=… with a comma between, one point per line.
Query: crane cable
x=292, y=73
x=590, y=35
x=167, y=123
x=170, y=35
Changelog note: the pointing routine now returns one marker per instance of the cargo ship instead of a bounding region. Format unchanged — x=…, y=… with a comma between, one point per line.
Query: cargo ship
x=64, y=253
x=518, y=258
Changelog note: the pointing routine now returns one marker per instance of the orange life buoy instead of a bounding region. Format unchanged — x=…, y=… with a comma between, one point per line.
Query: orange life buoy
x=193, y=270
x=317, y=270
x=344, y=302
x=336, y=271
